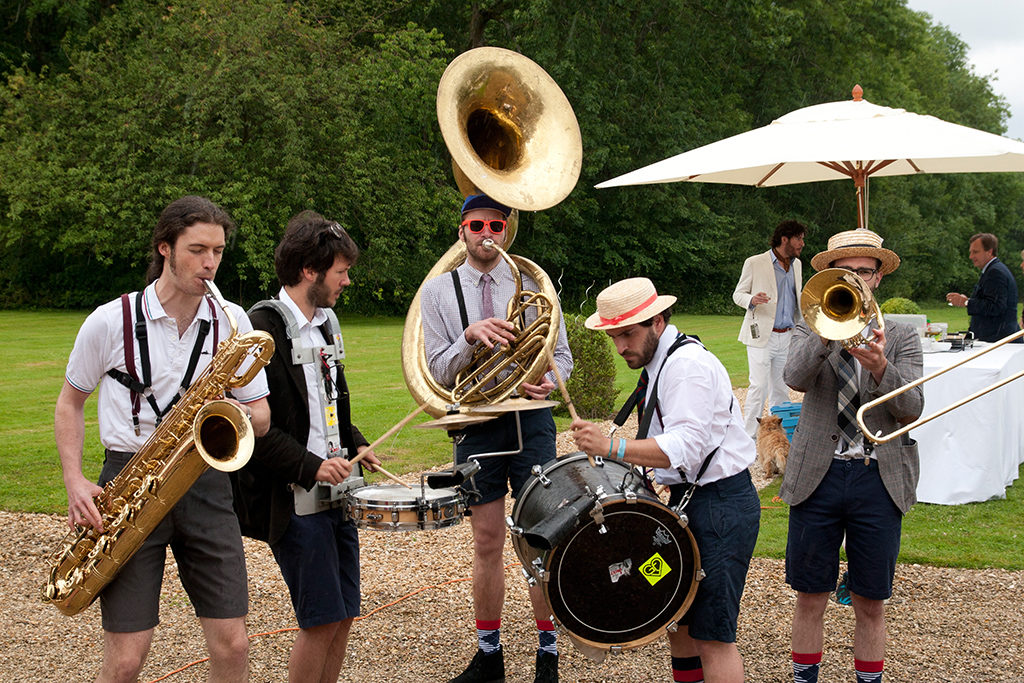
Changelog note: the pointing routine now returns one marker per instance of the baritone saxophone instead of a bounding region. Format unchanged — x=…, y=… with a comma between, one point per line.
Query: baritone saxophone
x=201, y=431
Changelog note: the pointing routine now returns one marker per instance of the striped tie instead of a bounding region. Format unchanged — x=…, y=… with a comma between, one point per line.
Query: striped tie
x=641, y=394
x=486, y=301
x=849, y=396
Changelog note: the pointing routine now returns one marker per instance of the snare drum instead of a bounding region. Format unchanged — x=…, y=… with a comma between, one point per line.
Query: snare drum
x=392, y=507
x=622, y=567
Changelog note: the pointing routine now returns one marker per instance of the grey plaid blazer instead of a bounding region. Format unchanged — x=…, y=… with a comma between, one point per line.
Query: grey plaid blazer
x=811, y=368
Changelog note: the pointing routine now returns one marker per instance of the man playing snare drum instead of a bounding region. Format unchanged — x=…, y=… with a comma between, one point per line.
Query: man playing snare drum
x=699, y=448
x=284, y=495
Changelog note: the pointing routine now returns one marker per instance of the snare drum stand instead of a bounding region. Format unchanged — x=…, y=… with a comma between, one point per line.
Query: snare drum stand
x=465, y=472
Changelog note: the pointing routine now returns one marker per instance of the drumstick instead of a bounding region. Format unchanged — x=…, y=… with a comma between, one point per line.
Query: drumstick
x=565, y=394
x=404, y=421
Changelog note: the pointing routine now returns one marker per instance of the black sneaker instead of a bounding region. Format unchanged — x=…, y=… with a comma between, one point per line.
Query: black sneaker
x=547, y=668
x=485, y=668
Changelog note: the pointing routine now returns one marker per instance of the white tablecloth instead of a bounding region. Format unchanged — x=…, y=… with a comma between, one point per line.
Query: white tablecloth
x=971, y=453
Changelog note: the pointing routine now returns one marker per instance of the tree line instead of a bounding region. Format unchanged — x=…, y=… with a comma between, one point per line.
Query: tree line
x=111, y=110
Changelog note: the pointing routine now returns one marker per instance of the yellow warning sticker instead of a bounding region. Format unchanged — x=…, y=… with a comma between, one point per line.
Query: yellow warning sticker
x=655, y=569
x=331, y=413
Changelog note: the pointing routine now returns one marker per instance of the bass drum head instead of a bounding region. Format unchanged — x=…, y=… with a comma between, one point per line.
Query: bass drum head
x=622, y=588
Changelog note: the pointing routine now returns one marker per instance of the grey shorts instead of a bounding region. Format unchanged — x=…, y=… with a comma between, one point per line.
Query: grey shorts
x=203, y=534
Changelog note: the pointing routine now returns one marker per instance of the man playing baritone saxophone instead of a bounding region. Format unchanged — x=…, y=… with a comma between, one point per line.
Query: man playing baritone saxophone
x=288, y=495
x=486, y=284
x=835, y=483
x=181, y=332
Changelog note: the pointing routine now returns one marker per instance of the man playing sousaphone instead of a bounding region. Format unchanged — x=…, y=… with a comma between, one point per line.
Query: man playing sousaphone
x=691, y=432
x=460, y=312
x=836, y=486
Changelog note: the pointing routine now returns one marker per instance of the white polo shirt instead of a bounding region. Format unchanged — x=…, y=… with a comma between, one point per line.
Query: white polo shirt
x=100, y=347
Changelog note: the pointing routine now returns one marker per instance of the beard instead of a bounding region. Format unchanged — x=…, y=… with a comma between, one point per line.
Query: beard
x=646, y=352
x=172, y=264
x=318, y=295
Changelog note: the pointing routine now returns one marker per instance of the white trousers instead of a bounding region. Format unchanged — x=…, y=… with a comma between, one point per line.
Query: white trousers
x=766, y=364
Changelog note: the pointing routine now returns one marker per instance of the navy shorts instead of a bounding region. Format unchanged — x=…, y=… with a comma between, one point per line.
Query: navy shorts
x=319, y=559
x=725, y=517
x=498, y=473
x=202, y=531
x=851, y=500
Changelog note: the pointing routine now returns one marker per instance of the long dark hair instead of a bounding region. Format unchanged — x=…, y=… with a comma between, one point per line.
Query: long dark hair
x=180, y=215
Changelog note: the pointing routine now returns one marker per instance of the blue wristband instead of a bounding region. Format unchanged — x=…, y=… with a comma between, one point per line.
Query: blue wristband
x=621, y=453
x=611, y=445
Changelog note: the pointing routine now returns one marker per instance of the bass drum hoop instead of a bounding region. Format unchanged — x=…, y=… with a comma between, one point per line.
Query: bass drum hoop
x=556, y=558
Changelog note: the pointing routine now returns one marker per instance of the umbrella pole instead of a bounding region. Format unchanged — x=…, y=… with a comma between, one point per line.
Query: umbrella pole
x=860, y=180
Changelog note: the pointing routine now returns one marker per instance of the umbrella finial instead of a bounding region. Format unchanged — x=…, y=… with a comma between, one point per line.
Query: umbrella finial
x=858, y=93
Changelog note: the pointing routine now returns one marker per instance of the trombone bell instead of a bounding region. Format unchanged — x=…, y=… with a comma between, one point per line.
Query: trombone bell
x=838, y=305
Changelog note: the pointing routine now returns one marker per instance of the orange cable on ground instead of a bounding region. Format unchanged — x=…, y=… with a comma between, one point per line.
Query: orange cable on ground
x=359, y=618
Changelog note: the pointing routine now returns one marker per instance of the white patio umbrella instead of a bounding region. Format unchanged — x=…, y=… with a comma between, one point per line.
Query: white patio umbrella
x=852, y=139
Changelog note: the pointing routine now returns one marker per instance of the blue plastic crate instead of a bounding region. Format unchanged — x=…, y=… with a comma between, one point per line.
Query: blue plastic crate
x=790, y=414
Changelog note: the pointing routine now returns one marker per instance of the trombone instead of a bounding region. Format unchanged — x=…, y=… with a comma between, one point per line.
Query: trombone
x=880, y=438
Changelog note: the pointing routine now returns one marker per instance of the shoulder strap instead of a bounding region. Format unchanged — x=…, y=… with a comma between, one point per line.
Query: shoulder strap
x=652, y=392
x=461, y=299
x=283, y=312
x=627, y=407
x=652, y=403
x=130, y=379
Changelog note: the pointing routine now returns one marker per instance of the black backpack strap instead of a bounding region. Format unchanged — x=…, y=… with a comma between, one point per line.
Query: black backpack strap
x=461, y=299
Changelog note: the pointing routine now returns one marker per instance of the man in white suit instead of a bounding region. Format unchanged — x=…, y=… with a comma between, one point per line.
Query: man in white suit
x=769, y=290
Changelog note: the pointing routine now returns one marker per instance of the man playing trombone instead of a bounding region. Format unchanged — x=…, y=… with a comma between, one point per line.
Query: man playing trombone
x=835, y=482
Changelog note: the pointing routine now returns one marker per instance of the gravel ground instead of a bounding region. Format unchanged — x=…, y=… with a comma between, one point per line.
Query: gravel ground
x=944, y=624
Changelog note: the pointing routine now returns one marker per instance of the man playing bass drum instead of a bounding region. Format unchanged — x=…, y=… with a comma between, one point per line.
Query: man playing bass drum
x=697, y=445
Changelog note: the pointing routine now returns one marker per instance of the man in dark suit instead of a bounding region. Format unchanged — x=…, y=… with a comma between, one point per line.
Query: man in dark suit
x=993, y=303
x=835, y=483
x=289, y=494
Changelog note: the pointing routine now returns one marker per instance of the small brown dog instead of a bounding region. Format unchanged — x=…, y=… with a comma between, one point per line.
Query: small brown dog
x=772, y=445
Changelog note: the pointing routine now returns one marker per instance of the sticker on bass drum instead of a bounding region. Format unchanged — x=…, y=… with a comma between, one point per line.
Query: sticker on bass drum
x=655, y=569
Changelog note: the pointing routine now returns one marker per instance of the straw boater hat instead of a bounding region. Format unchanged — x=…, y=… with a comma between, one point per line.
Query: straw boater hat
x=852, y=243
x=627, y=302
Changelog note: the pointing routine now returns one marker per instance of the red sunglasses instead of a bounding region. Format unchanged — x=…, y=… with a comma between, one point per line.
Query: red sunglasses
x=496, y=225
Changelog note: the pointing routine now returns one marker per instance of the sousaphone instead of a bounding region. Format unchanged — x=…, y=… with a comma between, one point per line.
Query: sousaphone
x=513, y=136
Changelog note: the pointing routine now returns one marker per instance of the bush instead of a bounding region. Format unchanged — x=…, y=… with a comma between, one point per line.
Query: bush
x=900, y=305
x=592, y=383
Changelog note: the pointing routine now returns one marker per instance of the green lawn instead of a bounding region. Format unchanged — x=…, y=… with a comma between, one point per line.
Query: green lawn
x=35, y=346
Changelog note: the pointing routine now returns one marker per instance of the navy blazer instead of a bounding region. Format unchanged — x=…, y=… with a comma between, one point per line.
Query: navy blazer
x=263, y=500
x=993, y=303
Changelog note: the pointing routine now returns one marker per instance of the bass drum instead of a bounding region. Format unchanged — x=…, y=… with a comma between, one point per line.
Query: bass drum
x=618, y=567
